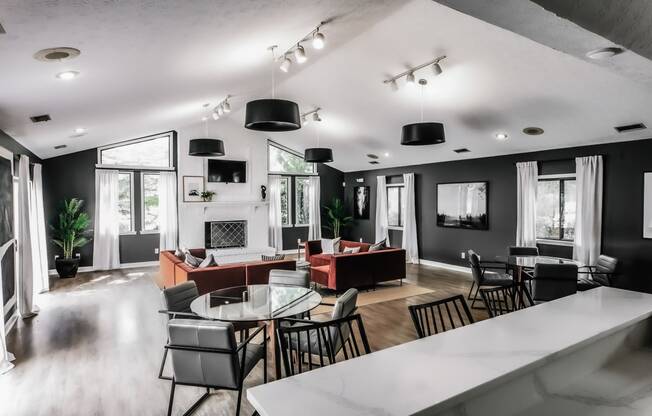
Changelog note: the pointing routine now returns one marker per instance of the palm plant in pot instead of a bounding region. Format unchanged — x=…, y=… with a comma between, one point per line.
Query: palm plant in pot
x=336, y=217
x=69, y=232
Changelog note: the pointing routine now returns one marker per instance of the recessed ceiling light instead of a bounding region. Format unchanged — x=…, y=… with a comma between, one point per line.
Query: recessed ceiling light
x=56, y=54
x=80, y=130
x=533, y=131
x=67, y=75
x=386, y=154
x=501, y=136
x=605, y=53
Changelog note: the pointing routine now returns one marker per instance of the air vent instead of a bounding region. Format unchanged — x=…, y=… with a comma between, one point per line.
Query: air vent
x=533, y=131
x=462, y=150
x=61, y=146
x=41, y=118
x=372, y=156
x=630, y=127
x=374, y=162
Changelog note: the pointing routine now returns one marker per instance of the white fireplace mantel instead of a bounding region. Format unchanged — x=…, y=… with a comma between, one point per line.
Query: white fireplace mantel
x=226, y=204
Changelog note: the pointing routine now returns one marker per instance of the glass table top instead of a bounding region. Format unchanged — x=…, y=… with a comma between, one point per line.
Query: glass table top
x=531, y=261
x=255, y=303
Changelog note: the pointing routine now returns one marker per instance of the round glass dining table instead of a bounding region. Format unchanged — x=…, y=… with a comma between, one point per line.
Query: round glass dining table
x=528, y=262
x=255, y=303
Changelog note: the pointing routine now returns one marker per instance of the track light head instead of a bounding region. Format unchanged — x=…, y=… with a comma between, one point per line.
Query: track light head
x=220, y=110
x=304, y=120
x=286, y=64
x=226, y=107
x=315, y=117
x=393, y=85
x=300, y=54
x=436, y=68
x=215, y=116
x=318, y=40
x=205, y=118
x=410, y=80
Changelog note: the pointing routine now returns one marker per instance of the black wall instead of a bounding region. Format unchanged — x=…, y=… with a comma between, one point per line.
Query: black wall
x=622, y=217
x=330, y=187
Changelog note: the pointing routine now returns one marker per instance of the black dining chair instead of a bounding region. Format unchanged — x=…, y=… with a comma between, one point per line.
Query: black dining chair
x=441, y=315
x=602, y=274
x=483, y=276
x=523, y=251
x=553, y=281
x=503, y=300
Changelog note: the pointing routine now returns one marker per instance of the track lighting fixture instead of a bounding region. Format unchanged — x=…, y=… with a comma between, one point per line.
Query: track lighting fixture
x=409, y=74
x=306, y=117
x=299, y=52
x=216, y=116
x=222, y=108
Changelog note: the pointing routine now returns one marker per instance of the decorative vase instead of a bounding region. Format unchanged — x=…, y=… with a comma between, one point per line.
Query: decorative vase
x=263, y=192
x=67, y=267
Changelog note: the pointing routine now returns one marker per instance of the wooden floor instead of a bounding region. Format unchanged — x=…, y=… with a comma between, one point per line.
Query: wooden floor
x=96, y=346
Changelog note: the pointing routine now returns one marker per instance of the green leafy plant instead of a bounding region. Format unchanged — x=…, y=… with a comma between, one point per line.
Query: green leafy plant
x=207, y=196
x=69, y=232
x=336, y=217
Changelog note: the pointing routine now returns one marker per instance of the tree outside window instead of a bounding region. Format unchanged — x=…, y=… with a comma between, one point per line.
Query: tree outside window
x=556, y=201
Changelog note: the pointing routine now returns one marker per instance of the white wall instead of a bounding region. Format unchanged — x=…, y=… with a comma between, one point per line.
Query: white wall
x=239, y=144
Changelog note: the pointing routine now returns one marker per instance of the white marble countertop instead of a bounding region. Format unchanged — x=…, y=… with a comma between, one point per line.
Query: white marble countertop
x=433, y=374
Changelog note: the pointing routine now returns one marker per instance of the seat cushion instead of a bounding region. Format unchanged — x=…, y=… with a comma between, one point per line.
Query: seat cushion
x=584, y=284
x=320, y=259
x=319, y=274
x=497, y=279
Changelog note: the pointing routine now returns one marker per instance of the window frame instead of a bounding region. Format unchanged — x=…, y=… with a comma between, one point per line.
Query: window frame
x=562, y=179
x=169, y=167
x=293, y=152
x=142, y=204
x=401, y=189
x=132, y=229
x=296, y=210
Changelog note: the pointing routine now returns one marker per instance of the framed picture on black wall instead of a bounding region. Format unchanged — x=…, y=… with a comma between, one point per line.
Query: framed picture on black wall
x=361, y=202
x=647, y=205
x=463, y=205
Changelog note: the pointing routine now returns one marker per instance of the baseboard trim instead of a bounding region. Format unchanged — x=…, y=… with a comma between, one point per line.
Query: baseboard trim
x=85, y=269
x=447, y=266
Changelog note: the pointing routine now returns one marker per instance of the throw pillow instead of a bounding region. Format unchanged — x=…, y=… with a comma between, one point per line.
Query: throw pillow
x=329, y=246
x=379, y=245
x=179, y=252
x=209, y=261
x=277, y=257
x=191, y=260
x=351, y=250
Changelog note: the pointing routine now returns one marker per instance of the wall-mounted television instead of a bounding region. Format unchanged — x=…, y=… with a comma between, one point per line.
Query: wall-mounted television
x=227, y=171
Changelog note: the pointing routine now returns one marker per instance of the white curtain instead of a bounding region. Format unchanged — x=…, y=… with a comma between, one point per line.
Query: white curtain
x=5, y=356
x=106, y=235
x=25, y=234
x=275, y=219
x=39, y=247
x=381, y=210
x=314, y=209
x=527, y=176
x=588, y=214
x=410, y=242
x=167, y=214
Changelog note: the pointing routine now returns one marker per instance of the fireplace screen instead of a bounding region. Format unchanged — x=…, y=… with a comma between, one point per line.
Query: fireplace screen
x=226, y=234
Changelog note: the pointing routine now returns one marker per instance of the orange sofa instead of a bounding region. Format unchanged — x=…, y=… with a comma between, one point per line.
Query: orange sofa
x=175, y=271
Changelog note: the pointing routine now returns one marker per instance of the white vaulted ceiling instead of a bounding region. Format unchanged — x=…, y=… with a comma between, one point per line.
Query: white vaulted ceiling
x=149, y=66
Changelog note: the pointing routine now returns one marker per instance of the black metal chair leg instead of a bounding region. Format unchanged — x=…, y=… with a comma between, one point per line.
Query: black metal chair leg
x=264, y=360
x=197, y=403
x=475, y=297
x=237, y=409
x=171, y=398
x=468, y=297
x=160, y=371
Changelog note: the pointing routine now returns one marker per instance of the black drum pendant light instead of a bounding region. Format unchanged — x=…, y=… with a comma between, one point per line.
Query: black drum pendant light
x=317, y=154
x=205, y=147
x=422, y=133
x=272, y=114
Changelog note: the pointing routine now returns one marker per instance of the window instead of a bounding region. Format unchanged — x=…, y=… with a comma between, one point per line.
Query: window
x=126, y=202
x=285, y=161
x=301, y=208
x=556, y=209
x=285, y=201
x=395, y=206
x=149, y=152
x=149, y=218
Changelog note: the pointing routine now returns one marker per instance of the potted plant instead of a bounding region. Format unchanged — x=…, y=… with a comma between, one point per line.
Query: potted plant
x=336, y=217
x=69, y=232
x=207, y=196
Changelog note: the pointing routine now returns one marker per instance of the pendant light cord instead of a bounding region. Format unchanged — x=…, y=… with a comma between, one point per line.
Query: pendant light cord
x=273, y=48
x=422, y=103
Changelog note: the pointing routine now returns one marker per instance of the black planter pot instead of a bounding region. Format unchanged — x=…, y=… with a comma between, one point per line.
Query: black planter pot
x=67, y=267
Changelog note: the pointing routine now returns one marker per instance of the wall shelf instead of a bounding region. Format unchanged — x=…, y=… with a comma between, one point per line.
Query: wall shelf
x=226, y=204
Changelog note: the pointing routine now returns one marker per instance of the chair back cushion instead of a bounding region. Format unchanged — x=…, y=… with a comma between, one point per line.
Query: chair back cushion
x=476, y=270
x=345, y=304
x=606, y=266
x=553, y=281
x=178, y=298
x=330, y=246
x=523, y=251
x=204, y=368
x=279, y=277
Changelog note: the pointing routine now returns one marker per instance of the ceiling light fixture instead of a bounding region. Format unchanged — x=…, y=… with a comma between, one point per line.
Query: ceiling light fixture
x=223, y=107
x=422, y=133
x=605, y=53
x=501, y=136
x=317, y=154
x=409, y=74
x=272, y=114
x=80, y=130
x=67, y=75
x=306, y=117
x=205, y=146
x=299, y=52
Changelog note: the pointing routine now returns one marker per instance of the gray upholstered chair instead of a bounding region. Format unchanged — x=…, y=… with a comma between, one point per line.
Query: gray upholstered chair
x=553, y=281
x=523, y=251
x=206, y=354
x=602, y=274
x=483, y=277
x=289, y=278
x=176, y=303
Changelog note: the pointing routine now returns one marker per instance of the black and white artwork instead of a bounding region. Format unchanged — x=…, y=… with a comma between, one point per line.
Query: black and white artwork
x=361, y=202
x=7, y=224
x=462, y=205
x=193, y=186
x=647, y=205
